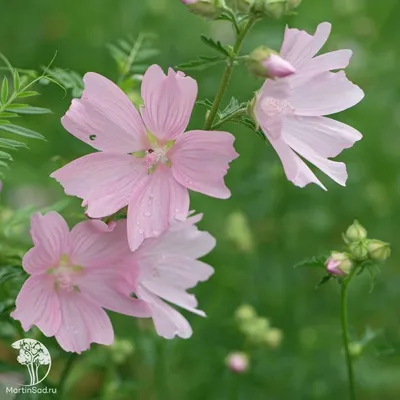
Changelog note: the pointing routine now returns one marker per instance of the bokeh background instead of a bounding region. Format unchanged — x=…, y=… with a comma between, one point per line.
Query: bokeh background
x=263, y=229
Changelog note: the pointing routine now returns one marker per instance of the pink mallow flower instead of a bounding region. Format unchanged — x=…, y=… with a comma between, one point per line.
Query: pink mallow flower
x=145, y=162
x=291, y=110
x=73, y=276
x=163, y=268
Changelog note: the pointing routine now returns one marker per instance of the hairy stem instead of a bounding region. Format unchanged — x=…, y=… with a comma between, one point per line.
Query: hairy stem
x=228, y=72
x=345, y=334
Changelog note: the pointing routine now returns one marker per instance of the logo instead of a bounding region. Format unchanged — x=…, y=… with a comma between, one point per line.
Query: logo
x=35, y=356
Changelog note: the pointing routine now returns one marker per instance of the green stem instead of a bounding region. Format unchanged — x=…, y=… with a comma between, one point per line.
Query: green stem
x=345, y=334
x=65, y=373
x=228, y=72
x=230, y=117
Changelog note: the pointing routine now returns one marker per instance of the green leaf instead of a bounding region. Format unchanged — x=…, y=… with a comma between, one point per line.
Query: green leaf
x=28, y=93
x=20, y=130
x=5, y=155
x=202, y=63
x=31, y=110
x=3, y=164
x=12, y=144
x=246, y=121
x=4, y=90
x=8, y=115
x=17, y=80
x=324, y=279
x=205, y=103
x=216, y=45
x=16, y=106
x=313, y=262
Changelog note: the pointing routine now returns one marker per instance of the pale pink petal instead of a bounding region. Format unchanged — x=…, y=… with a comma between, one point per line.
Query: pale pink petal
x=200, y=160
x=326, y=136
x=37, y=304
x=167, y=321
x=168, y=102
x=37, y=260
x=94, y=243
x=50, y=233
x=106, y=288
x=327, y=62
x=83, y=323
x=157, y=200
x=105, y=181
x=105, y=118
x=325, y=94
x=299, y=47
x=295, y=168
x=293, y=131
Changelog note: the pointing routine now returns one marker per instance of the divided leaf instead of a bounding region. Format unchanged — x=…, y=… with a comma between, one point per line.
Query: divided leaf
x=217, y=46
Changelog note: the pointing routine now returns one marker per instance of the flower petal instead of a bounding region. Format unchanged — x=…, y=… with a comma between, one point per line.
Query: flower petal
x=293, y=131
x=157, y=200
x=94, y=243
x=106, y=287
x=200, y=160
x=105, y=181
x=327, y=62
x=299, y=47
x=325, y=94
x=83, y=323
x=105, y=118
x=50, y=234
x=167, y=321
x=37, y=304
x=325, y=136
x=295, y=168
x=168, y=102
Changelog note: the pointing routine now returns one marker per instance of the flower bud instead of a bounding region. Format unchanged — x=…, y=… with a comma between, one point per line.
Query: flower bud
x=355, y=232
x=338, y=264
x=237, y=362
x=264, y=62
x=245, y=313
x=359, y=250
x=273, y=337
x=355, y=349
x=211, y=9
x=244, y=6
x=378, y=251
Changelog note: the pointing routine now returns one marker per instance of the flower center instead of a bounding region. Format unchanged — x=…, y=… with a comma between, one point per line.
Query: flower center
x=64, y=274
x=155, y=155
x=275, y=107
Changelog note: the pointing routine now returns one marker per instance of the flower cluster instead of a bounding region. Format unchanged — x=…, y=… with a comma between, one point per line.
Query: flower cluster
x=146, y=162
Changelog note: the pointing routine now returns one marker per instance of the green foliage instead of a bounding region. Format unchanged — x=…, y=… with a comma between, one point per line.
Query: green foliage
x=312, y=262
x=217, y=46
x=70, y=80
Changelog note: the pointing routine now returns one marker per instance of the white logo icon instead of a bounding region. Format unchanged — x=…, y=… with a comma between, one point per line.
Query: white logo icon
x=35, y=356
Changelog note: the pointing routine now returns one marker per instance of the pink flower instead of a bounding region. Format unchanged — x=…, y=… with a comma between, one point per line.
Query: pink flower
x=237, y=362
x=291, y=110
x=163, y=268
x=73, y=277
x=146, y=163
x=277, y=67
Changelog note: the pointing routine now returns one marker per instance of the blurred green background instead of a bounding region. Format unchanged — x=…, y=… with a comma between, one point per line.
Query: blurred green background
x=263, y=230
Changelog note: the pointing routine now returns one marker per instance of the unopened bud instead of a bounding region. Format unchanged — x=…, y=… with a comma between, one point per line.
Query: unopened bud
x=211, y=9
x=266, y=63
x=338, y=264
x=355, y=349
x=356, y=232
x=244, y=6
x=359, y=250
x=237, y=362
x=293, y=4
x=245, y=313
x=273, y=337
x=378, y=251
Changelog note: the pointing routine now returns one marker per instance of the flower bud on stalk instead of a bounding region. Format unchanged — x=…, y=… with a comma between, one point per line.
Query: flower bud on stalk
x=356, y=232
x=338, y=264
x=359, y=250
x=211, y=9
x=237, y=362
x=244, y=6
x=378, y=251
x=275, y=8
x=266, y=63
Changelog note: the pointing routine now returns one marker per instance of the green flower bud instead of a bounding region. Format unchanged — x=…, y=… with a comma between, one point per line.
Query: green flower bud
x=211, y=9
x=245, y=313
x=338, y=264
x=359, y=250
x=378, y=251
x=355, y=232
x=355, y=349
x=244, y=6
x=273, y=337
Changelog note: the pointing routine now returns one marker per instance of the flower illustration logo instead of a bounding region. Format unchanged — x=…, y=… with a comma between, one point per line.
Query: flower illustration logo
x=35, y=356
